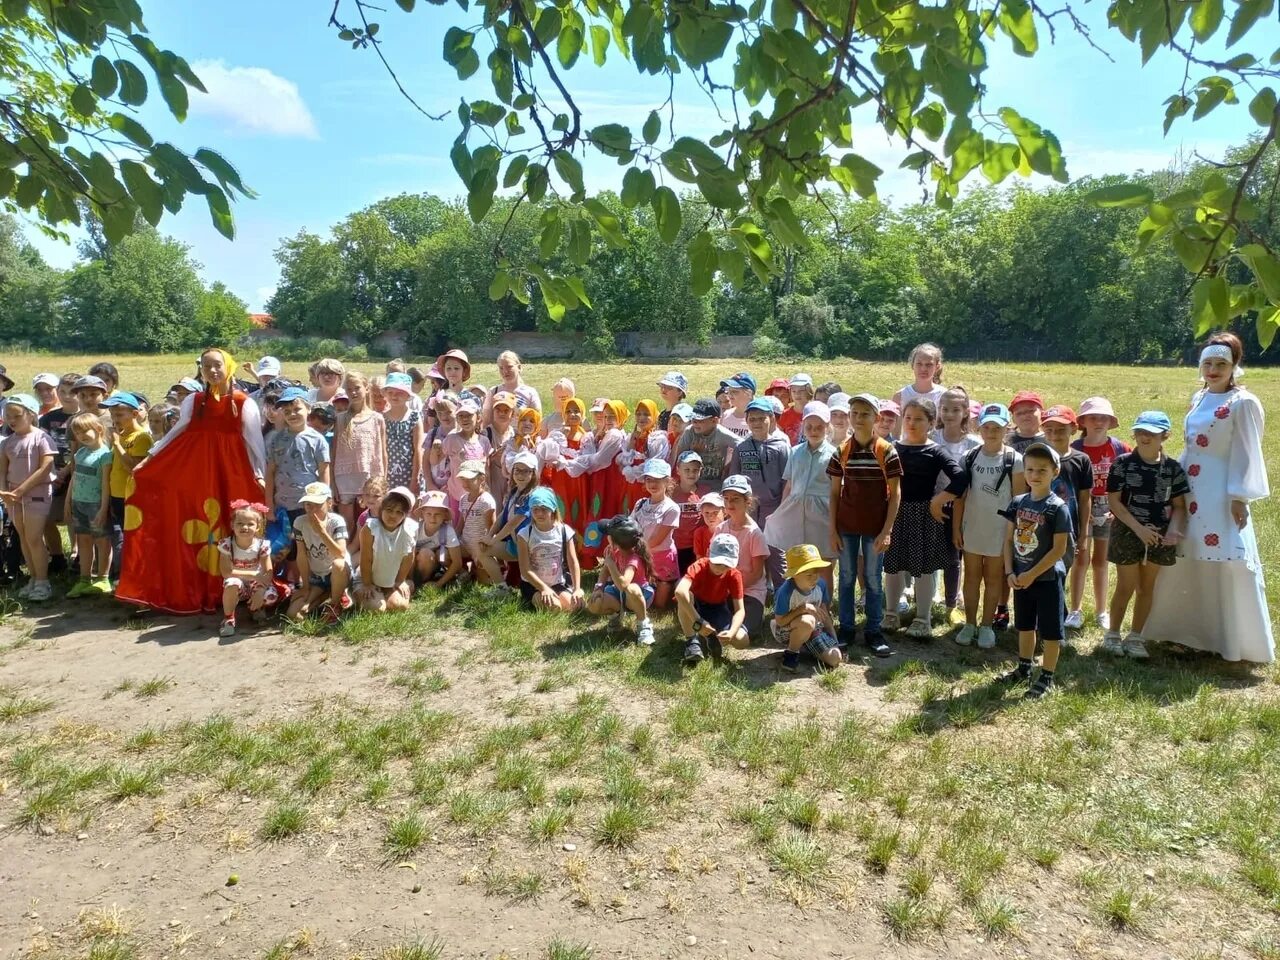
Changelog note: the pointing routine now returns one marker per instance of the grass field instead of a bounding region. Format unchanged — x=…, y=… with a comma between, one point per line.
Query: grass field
x=465, y=779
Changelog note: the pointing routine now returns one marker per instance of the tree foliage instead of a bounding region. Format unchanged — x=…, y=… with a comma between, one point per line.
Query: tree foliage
x=794, y=76
x=73, y=80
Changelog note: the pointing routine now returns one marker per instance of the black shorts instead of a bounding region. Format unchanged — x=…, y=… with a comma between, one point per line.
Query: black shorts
x=527, y=590
x=718, y=616
x=1125, y=549
x=684, y=558
x=1041, y=607
x=115, y=512
x=293, y=542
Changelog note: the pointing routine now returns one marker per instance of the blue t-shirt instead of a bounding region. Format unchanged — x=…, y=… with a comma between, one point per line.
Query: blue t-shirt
x=518, y=505
x=297, y=458
x=1035, y=523
x=787, y=596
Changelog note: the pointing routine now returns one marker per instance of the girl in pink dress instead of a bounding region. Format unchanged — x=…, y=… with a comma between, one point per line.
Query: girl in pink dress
x=359, y=448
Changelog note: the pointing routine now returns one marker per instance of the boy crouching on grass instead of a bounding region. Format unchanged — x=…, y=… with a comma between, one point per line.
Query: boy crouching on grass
x=709, y=602
x=323, y=562
x=1036, y=541
x=802, y=610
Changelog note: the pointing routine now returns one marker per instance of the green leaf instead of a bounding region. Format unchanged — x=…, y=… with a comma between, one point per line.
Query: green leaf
x=487, y=113
x=460, y=156
x=133, y=85
x=652, y=128
x=1039, y=147
x=1210, y=303
x=612, y=139
x=1177, y=106
x=515, y=170
x=144, y=190
x=457, y=43
x=498, y=285
x=599, y=44
x=104, y=78
x=1247, y=14
x=1121, y=195
x=637, y=187
x=1205, y=19
x=83, y=101
x=569, y=45
x=1017, y=20
x=536, y=182
x=1265, y=267
x=579, y=291
x=480, y=194
x=406, y=5
x=1193, y=252
x=552, y=231
x=607, y=221
x=569, y=170
x=863, y=172
x=174, y=92
x=1263, y=107
x=1268, y=320
x=720, y=190
x=785, y=224
x=702, y=263
x=666, y=210
x=131, y=128
x=216, y=164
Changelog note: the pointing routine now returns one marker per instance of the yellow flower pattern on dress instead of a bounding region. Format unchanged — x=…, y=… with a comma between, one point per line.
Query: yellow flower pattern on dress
x=205, y=534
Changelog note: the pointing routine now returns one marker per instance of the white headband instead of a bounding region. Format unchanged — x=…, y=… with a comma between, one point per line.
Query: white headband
x=1219, y=351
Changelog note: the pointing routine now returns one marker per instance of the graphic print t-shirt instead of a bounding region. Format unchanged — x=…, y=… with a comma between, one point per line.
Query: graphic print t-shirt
x=1148, y=489
x=1035, y=523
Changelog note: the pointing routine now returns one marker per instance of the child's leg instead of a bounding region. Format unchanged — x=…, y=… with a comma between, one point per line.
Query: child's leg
x=1082, y=564
x=347, y=509
x=1052, y=648
x=338, y=579
x=871, y=565
x=603, y=603
x=894, y=584
x=1100, y=577
x=951, y=579
x=801, y=629
x=850, y=565
x=1147, y=574
x=426, y=563
x=399, y=598
x=257, y=597
x=975, y=568
x=117, y=536
x=686, y=614
x=102, y=562
x=1026, y=645
x=1126, y=583
x=926, y=584
x=231, y=596
x=303, y=601
x=662, y=592
x=488, y=566
x=84, y=550
x=994, y=585
x=636, y=603
x=31, y=533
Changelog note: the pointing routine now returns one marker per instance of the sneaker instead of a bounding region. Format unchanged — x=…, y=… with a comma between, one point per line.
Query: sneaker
x=1075, y=620
x=890, y=621
x=1042, y=687
x=920, y=630
x=1019, y=674
x=330, y=613
x=228, y=628
x=791, y=660
x=693, y=654
x=968, y=633
x=81, y=588
x=1135, y=647
x=644, y=633
x=955, y=617
x=1112, y=644
x=903, y=607
x=876, y=644
x=986, y=638
x=41, y=592
x=1104, y=620
x=100, y=587
x=845, y=636
x=1000, y=621
x=24, y=591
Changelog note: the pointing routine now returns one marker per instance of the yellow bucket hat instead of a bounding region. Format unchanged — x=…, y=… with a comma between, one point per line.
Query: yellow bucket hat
x=804, y=556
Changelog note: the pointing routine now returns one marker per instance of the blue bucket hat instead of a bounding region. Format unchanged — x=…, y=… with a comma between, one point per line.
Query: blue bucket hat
x=400, y=381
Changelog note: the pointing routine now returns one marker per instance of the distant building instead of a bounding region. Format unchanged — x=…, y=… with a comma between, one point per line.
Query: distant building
x=262, y=326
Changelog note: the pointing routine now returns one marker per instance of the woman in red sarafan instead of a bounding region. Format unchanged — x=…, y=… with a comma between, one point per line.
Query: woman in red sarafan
x=178, y=505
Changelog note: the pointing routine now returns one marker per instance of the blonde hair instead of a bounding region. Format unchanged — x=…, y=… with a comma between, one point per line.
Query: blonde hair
x=512, y=356
x=395, y=366
x=259, y=521
x=347, y=418
x=375, y=487
x=330, y=365
x=928, y=349
x=86, y=422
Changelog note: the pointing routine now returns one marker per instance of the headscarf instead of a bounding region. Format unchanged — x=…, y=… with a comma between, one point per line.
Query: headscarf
x=619, y=411
x=574, y=433
x=531, y=441
x=652, y=409
x=229, y=365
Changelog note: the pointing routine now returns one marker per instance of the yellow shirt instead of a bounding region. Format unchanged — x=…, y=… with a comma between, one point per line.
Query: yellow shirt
x=136, y=444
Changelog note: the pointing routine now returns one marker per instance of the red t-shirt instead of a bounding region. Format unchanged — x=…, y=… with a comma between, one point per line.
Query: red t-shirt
x=1102, y=456
x=690, y=518
x=702, y=535
x=789, y=421
x=706, y=586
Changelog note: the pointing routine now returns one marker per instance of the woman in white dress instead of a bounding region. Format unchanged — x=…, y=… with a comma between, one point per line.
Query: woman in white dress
x=1214, y=598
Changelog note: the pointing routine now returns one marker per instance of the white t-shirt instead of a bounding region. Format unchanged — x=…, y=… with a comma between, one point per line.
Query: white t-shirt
x=390, y=547
x=547, y=552
x=982, y=527
x=440, y=542
x=474, y=525
x=735, y=424
x=245, y=561
x=317, y=550
x=650, y=515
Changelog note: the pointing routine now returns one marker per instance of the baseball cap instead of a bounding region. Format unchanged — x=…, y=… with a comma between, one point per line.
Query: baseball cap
x=1059, y=413
x=802, y=557
x=801, y=380
x=290, y=395
x=45, y=379
x=315, y=493
x=711, y=499
x=267, y=367
x=739, y=381
x=340, y=396
x=994, y=413
x=189, y=384
x=706, y=409
x=436, y=500
x=778, y=383
x=624, y=531
x=468, y=405
x=1044, y=448
x=839, y=402
x=399, y=381
x=674, y=378
x=543, y=497
x=525, y=459
x=658, y=469
x=890, y=406
x=122, y=398
x=24, y=400
x=1027, y=396
x=689, y=456
x=723, y=549
x=869, y=399
x=763, y=404
x=1099, y=406
x=90, y=383
x=323, y=412
x=1153, y=421
x=683, y=411
x=505, y=399
x=471, y=468
x=736, y=483
x=597, y=405
x=776, y=404
x=816, y=408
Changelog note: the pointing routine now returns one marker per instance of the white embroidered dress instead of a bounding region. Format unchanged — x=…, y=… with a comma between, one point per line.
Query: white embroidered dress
x=1214, y=598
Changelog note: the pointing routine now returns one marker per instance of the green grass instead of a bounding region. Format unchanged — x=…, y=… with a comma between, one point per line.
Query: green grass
x=285, y=820
x=567, y=950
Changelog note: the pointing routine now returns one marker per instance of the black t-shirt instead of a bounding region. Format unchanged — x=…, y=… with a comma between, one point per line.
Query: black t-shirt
x=54, y=423
x=921, y=466
x=1075, y=473
x=1148, y=489
x=1020, y=443
x=664, y=420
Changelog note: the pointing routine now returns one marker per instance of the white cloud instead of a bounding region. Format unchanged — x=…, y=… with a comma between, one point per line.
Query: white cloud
x=253, y=100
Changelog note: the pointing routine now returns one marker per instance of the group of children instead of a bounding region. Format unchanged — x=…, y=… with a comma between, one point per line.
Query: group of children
x=413, y=479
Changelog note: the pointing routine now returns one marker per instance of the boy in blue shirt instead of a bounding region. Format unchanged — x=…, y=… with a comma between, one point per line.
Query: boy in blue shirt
x=802, y=610
x=1037, y=538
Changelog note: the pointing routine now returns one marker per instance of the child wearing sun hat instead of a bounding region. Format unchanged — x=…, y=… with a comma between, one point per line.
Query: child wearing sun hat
x=802, y=610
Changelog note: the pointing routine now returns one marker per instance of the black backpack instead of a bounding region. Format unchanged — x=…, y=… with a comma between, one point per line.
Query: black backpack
x=1006, y=471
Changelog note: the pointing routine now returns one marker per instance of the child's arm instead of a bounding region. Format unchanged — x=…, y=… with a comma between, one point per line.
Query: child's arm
x=957, y=520
x=406, y=567
x=660, y=533
x=337, y=545
x=1084, y=510
x=366, y=559
x=1009, y=575
x=269, y=487
x=739, y=617
x=415, y=445
x=575, y=571
x=455, y=566
x=1056, y=553
x=324, y=474
x=118, y=452
x=4, y=472
x=622, y=578
x=264, y=568
x=1177, y=522
x=837, y=484
x=104, y=505
x=1149, y=536
x=895, y=501
x=304, y=558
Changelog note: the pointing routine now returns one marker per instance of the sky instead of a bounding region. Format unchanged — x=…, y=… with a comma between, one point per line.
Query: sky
x=320, y=131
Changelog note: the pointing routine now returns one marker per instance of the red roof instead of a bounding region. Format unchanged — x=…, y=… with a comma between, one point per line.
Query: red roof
x=261, y=321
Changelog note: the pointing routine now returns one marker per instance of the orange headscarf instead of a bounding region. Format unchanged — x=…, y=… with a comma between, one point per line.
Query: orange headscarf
x=575, y=433
x=531, y=441
x=652, y=409
x=619, y=411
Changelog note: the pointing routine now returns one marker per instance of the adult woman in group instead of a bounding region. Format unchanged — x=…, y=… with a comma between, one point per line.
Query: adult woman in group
x=179, y=505
x=1214, y=597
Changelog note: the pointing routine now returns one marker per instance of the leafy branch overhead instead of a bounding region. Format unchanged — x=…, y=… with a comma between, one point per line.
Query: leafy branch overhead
x=789, y=79
x=74, y=76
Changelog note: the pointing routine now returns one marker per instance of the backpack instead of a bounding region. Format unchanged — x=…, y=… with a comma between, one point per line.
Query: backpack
x=1006, y=471
x=879, y=446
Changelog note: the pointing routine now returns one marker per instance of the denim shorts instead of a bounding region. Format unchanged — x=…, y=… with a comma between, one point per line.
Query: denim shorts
x=646, y=590
x=83, y=514
x=323, y=581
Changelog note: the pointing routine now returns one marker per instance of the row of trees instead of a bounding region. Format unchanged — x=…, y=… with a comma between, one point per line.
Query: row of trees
x=141, y=293
x=1049, y=271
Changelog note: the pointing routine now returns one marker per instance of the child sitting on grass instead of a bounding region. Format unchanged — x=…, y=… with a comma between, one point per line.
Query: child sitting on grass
x=626, y=570
x=709, y=602
x=244, y=560
x=1037, y=537
x=1148, y=496
x=710, y=516
x=439, y=552
x=323, y=564
x=386, y=554
x=802, y=610
x=550, y=576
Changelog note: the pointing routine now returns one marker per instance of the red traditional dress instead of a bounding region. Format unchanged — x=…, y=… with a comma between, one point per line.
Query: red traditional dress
x=177, y=508
x=569, y=488
x=651, y=444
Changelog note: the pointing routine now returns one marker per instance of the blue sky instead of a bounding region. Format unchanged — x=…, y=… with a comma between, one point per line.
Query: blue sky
x=319, y=131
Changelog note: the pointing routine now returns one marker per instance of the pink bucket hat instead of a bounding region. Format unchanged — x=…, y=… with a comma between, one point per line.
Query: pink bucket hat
x=1098, y=406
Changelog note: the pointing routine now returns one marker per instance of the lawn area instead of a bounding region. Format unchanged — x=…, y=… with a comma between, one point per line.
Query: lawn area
x=466, y=779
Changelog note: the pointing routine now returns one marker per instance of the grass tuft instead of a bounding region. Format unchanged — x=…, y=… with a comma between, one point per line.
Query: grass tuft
x=559, y=949
x=405, y=835
x=419, y=949
x=285, y=820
